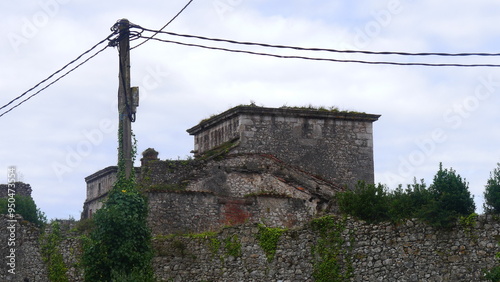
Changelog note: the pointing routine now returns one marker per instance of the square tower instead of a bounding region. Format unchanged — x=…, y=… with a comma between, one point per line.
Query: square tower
x=334, y=145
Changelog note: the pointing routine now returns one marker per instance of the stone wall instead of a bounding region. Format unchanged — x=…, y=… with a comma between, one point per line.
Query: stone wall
x=411, y=251
x=340, y=150
x=22, y=189
x=26, y=242
x=194, y=212
x=337, y=146
x=20, y=251
x=195, y=196
x=98, y=186
x=216, y=135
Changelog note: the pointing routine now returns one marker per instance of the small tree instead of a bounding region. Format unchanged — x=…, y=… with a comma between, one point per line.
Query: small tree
x=492, y=192
x=450, y=198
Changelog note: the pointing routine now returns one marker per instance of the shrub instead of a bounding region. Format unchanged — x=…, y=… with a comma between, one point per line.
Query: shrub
x=119, y=244
x=406, y=204
x=367, y=202
x=26, y=207
x=492, y=192
x=450, y=199
x=493, y=274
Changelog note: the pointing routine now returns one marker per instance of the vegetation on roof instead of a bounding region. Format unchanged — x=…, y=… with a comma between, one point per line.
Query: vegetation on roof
x=310, y=107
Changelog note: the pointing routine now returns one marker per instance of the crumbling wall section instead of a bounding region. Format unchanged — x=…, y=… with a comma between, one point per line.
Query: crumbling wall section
x=194, y=212
x=20, y=188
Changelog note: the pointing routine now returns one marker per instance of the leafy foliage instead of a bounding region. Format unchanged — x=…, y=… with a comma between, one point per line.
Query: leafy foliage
x=120, y=241
x=493, y=274
x=367, y=202
x=492, y=192
x=119, y=245
x=26, y=207
x=268, y=238
x=450, y=199
x=440, y=205
x=51, y=254
x=233, y=246
x=407, y=203
x=333, y=261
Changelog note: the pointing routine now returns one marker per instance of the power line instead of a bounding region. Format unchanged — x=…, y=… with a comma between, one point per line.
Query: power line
x=52, y=75
x=318, y=49
x=182, y=10
x=325, y=59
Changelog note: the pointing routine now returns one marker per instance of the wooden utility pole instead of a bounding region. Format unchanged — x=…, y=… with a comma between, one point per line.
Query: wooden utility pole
x=126, y=109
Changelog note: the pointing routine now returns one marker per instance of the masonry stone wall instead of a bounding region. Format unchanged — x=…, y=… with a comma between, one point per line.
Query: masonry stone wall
x=336, y=146
x=20, y=251
x=193, y=196
x=98, y=186
x=21, y=189
x=216, y=135
x=410, y=251
x=340, y=150
x=195, y=212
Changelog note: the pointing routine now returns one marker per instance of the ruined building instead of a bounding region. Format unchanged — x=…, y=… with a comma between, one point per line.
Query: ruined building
x=278, y=166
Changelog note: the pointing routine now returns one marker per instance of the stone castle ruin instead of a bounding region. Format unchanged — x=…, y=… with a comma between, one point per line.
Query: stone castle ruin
x=268, y=168
x=279, y=166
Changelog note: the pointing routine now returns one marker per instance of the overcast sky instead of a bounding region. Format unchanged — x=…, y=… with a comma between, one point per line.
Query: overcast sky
x=429, y=114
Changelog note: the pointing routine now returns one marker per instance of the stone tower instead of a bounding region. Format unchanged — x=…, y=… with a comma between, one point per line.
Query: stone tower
x=334, y=145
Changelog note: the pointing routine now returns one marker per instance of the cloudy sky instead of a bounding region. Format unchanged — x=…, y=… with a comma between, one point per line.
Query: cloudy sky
x=429, y=114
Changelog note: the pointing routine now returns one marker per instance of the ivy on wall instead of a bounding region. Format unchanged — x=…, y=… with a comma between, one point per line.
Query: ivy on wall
x=232, y=246
x=268, y=238
x=332, y=257
x=51, y=254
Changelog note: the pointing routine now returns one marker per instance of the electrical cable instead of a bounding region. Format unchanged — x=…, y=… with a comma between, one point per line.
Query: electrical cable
x=34, y=94
x=182, y=10
x=317, y=49
x=55, y=73
x=326, y=59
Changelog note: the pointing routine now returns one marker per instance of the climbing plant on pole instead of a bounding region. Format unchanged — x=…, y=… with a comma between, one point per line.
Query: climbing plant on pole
x=119, y=248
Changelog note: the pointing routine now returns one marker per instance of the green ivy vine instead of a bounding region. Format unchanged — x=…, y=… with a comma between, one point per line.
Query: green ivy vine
x=332, y=257
x=119, y=246
x=211, y=237
x=232, y=246
x=51, y=254
x=268, y=238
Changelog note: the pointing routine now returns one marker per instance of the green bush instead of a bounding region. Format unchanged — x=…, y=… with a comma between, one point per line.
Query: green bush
x=492, y=192
x=407, y=203
x=119, y=244
x=450, y=199
x=26, y=207
x=493, y=274
x=367, y=202
x=440, y=205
